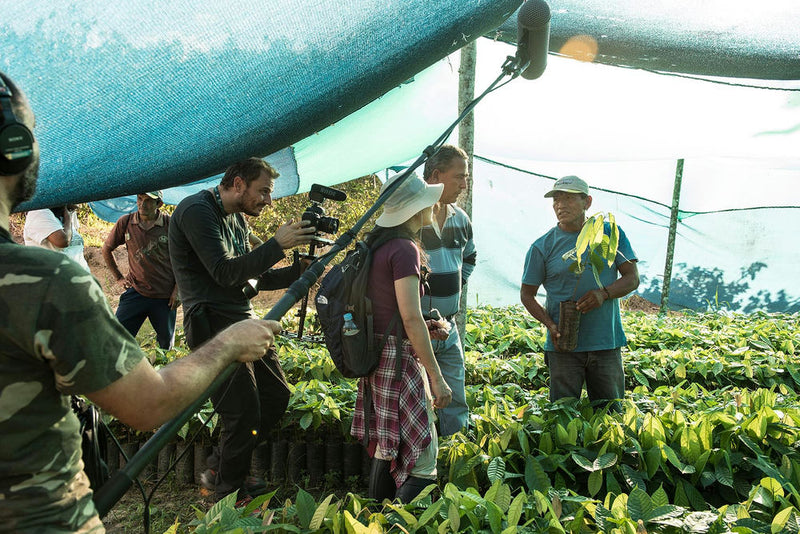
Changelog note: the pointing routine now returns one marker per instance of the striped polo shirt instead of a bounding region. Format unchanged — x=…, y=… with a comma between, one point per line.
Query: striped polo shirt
x=451, y=259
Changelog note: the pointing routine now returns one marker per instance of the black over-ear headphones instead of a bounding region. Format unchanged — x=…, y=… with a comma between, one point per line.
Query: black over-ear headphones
x=16, y=140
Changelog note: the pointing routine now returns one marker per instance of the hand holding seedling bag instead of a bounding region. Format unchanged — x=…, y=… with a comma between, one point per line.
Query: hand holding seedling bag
x=594, y=248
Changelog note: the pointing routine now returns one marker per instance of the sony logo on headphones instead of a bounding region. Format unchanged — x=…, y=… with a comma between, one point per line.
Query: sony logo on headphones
x=18, y=138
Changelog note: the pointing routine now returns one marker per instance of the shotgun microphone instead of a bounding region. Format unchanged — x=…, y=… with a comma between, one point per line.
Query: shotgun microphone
x=533, y=38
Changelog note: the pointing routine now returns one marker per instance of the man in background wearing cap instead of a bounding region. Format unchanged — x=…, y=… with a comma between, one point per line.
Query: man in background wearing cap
x=596, y=360
x=451, y=260
x=150, y=290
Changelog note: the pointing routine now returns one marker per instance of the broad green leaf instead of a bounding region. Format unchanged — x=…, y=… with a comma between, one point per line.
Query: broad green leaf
x=505, y=438
x=620, y=506
x=605, y=461
x=723, y=474
x=496, y=469
x=503, y=497
x=353, y=525
x=400, y=510
x=452, y=492
x=675, y=461
x=612, y=486
x=583, y=462
x=639, y=505
x=515, y=510
x=546, y=443
x=495, y=516
x=680, y=371
x=652, y=461
x=754, y=525
x=696, y=500
x=773, y=486
x=780, y=520
x=257, y=502
x=597, y=228
x=613, y=240
x=524, y=443
x=306, y=506
x=430, y=512
x=453, y=517
x=424, y=493
x=535, y=477
x=700, y=464
x=491, y=493
x=319, y=515
x=690, y=444
x=681, y=499
x=306, y=420
x=573, y=428
x=758, y=426
x=595, y=482
x=601, y=517
x=660, y=497
x=584, y=237
x=633, y=477
x=652, y=433
x=563, y=437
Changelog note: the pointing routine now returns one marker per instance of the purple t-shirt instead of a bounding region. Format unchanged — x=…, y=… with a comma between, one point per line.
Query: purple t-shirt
x=396, y=259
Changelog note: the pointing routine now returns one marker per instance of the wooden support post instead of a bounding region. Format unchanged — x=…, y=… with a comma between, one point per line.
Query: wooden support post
x=673, y=226
x=466, y=140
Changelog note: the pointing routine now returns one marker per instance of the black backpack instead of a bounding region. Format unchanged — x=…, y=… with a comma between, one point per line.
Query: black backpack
x=344, y=290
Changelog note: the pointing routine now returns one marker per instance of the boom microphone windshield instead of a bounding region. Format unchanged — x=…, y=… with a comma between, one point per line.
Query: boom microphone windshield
x=533, y=37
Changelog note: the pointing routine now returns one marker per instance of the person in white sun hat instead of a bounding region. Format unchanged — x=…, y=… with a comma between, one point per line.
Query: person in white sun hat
x=403, y=442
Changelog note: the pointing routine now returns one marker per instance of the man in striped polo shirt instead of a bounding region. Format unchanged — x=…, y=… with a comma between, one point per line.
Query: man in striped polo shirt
x=451, y=259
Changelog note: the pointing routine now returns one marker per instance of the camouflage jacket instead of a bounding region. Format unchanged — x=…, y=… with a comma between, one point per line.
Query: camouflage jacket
x=58, y=337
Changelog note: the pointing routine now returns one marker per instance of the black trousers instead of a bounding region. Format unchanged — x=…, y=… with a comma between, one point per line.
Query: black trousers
x=250, y=402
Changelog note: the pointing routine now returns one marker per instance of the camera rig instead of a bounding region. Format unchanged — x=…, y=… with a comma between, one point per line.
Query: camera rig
x=315, y=214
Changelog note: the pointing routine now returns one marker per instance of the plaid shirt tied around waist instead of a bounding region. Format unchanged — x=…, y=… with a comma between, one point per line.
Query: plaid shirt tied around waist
x=398, y=417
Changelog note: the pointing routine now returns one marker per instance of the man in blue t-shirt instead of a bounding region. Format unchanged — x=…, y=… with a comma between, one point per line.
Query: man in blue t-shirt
x=596, y=360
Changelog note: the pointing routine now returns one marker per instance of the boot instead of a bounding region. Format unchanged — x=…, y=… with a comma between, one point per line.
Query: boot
x=381, y=483
x=412, y=487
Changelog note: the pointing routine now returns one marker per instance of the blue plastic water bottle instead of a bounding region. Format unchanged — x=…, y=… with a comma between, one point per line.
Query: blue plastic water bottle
x=349, y=328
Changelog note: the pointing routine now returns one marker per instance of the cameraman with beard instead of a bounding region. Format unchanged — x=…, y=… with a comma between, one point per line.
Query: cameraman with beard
x=213, y=255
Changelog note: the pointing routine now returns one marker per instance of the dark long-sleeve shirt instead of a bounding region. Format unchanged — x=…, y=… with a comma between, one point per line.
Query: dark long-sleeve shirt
x=212, y=258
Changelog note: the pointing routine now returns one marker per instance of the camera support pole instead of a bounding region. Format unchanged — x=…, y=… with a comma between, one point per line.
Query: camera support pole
x=301, y=316
x=112, y=491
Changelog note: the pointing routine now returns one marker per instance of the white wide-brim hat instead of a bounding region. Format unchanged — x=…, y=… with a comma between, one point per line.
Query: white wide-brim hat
x=410, y=198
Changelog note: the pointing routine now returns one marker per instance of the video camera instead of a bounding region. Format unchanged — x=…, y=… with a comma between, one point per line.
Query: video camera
x=315, y=213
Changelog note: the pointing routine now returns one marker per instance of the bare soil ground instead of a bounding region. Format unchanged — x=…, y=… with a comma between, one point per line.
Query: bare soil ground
x=637, y=303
